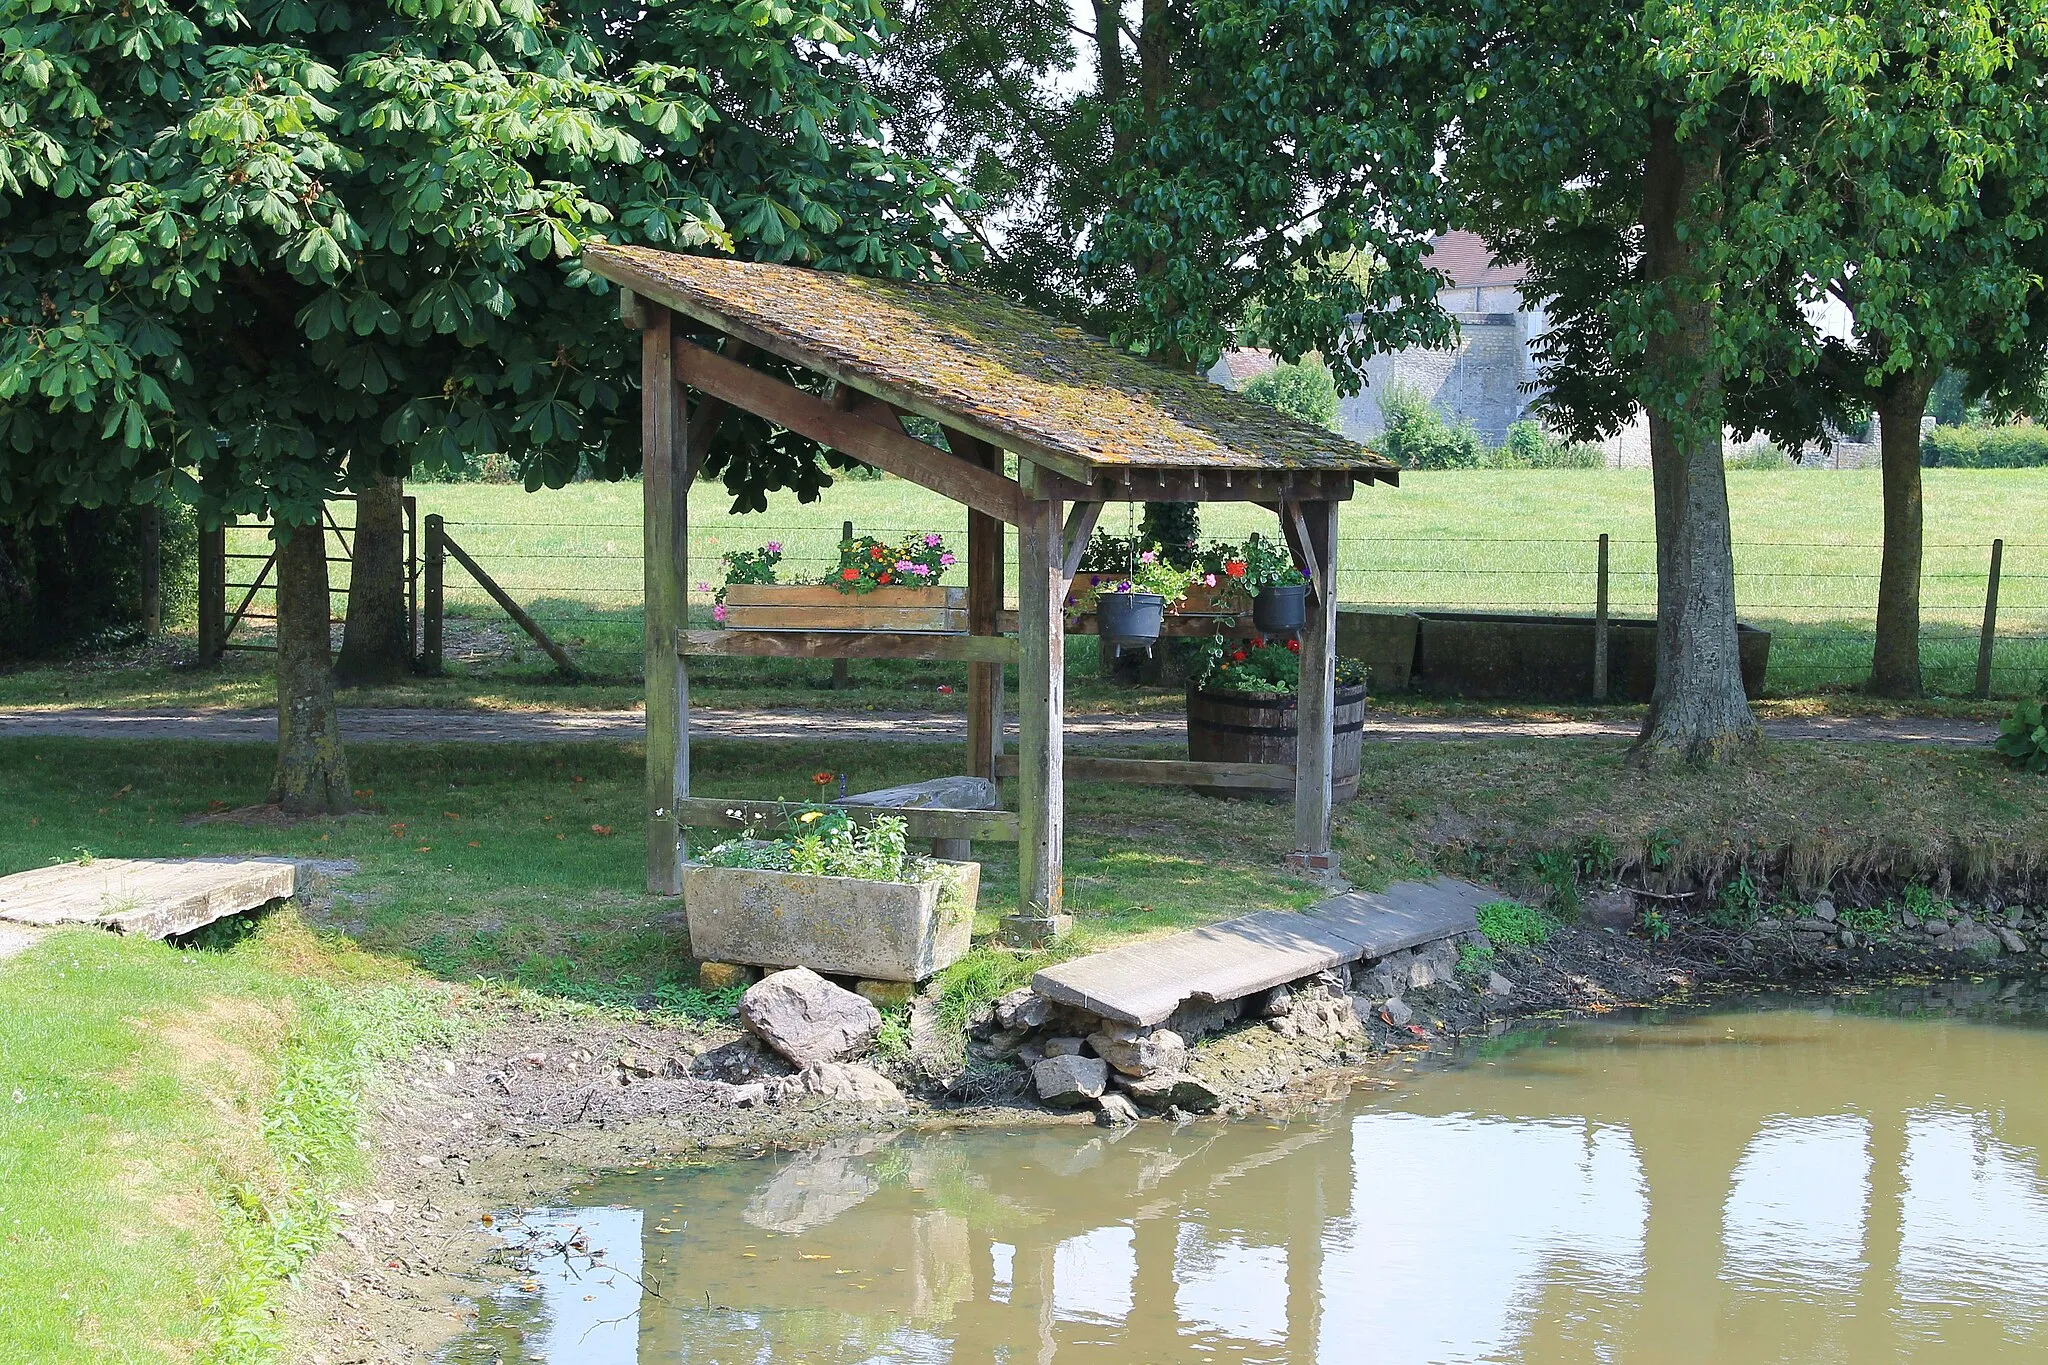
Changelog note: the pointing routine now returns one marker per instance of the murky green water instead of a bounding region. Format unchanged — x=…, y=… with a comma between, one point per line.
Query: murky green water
x=1852, y=1182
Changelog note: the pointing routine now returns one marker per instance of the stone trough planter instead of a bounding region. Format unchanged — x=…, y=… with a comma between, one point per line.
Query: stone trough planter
x=843, y=926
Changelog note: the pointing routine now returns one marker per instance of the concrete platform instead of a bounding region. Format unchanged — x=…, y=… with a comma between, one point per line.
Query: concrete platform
x=1146, y=982
x=153, y=897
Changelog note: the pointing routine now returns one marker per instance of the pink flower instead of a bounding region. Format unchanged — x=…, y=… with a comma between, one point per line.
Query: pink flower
x=1208, y=580
x=718, y=613
x=903, y=566
x=1149, y=557
x=773, y=547
x=931, y=539
x=945, y=687
x=921, y=570
x=946, y=560
x=703, y=586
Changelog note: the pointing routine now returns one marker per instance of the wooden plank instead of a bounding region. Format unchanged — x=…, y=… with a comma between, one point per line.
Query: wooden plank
x=708, y=417
x=852, y=616
x=1275, y=778
x=1144, y=983
x=1223, y=485
x=985, y=570
x=151, y=897
x=1315, y=740
x=665, y=571
x=512, y=608
x=845, y=644
x=945, y=793
x=920, y=822
x=1041, y=687
x=825, y=595
x=847, y=432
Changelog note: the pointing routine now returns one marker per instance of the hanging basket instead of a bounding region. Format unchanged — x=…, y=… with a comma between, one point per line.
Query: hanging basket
x=1281, y=609
x=1130, y=620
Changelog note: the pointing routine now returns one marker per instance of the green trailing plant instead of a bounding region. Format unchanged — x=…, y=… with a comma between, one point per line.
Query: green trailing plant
x=745, y=566
x=1655, y=927
x=1475, y=959
x=821, y=841
x=1513, y=923
x=1558, y=870
x=1873, y=922
x=1261, y=667
x=1738, y=903
x=2023, y=737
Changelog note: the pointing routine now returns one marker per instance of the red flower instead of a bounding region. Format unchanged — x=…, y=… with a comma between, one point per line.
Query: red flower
x=821, y=779
x=1294, y=646
x=1258, y=642
x=874, y=552
x=1234, y=567
x=883, y=579
x=1237, y=657
x=849, y=574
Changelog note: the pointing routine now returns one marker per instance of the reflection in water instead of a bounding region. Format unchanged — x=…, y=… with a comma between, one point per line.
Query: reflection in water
x=1787, y=1184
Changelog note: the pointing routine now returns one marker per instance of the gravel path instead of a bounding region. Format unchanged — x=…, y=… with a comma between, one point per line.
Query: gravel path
x=412, y=725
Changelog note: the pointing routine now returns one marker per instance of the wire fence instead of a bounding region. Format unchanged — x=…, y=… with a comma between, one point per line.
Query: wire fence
x=581, y=582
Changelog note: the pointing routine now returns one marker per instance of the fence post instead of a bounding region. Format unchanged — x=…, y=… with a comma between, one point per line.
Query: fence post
x=1600, y=626
x=152, y=572
x=213, y=594
x=1989, y=637
x=430, y=621
x=842, y=672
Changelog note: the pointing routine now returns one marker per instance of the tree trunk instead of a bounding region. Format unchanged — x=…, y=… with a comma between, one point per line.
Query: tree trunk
x=312, y=771
x=1895, y=662
x=376, y=641
x=1697, y=709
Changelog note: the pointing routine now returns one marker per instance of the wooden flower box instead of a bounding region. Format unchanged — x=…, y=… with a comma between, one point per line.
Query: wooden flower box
x=1225, y=599
x=882, y=931
x=811, y=606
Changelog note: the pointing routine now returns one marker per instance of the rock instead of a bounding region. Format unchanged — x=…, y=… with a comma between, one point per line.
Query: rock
x=1114, y=1110
x=1023, y=1009
x=1277, y=1003
x=720, y=976
x=1063, y=1047
x=744, y=1059
x=885, y=995
x=1809, y=941
x=1433, y=963
x=1388, y=976
x=1140, y=1052
x=1847, y=938
x=1170, y=1091
x=1824, y=909
x=1005, y=1042
x=1496, y=984
x=1322, y=1014
x=1285, y=1026
x=1610, y=909
x=1808, y=924
x=1824, y=899
x=938, y=1054
x=1969, y=937
x=1396, y=1012
x=1030, y=1055
x=1070, y=1081
x=808, y=1019
x=2012, y=941
x=636, y=1066
x=1908, y=919
x=849, y=1083
x=740, y=1096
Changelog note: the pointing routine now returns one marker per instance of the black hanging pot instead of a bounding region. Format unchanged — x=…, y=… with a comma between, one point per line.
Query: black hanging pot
x=1129, y=620
x=1281, y=609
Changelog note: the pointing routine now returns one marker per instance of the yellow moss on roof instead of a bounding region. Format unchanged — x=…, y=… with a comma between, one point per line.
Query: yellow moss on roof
x=1010, y=370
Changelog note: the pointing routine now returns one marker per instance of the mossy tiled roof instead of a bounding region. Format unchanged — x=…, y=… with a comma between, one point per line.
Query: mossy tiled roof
x=1023, y=377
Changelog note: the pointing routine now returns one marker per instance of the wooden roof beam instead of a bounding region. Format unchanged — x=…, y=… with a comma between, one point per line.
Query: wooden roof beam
x=851, y=433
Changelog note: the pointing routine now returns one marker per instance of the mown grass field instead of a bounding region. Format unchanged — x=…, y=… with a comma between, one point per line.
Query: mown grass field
x=1806, y=553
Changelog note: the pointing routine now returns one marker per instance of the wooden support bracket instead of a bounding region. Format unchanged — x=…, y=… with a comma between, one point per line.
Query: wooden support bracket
x=1074, y=542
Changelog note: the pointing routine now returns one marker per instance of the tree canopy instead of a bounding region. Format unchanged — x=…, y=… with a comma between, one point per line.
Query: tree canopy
x=253, y=243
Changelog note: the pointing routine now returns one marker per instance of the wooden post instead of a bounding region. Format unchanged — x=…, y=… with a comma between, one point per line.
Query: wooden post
x=1988, y=638
x=984, y=602
x=431, y=658
x=1041, y=695
x=213, y=594
x=1600, y=626
x=152, y=572
x=1315, y=708
x=665, y=543
x=412, y=577
x=842, y=673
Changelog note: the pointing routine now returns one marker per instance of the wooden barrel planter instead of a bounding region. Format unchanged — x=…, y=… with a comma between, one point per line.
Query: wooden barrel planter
x=1226, y=727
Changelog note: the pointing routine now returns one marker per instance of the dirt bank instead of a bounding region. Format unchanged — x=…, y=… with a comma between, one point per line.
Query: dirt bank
x=537, y=1103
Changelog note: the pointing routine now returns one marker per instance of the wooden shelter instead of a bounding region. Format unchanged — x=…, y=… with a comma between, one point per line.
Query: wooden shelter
x=1088, y=424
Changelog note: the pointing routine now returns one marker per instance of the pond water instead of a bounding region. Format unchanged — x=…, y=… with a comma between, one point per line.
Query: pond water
x=1798, y=1181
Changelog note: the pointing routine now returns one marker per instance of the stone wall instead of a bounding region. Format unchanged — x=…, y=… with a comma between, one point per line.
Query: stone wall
x=1479, y=378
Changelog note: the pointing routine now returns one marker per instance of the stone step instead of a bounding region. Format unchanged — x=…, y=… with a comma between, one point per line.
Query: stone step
x=1144, y=983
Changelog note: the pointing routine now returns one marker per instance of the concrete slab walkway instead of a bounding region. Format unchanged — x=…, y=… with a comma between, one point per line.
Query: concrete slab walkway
x=422, y=725
x=153, y=897
x=1144, y=983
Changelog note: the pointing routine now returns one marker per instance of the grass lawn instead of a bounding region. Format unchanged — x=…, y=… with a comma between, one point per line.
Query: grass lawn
x=173, y=1120
x=1806, y=558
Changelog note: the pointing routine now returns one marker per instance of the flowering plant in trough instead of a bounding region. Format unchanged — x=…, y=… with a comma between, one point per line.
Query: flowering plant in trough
x=746, y=566
x=866, y=563
x=1261, y=667
x=1259, y=562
